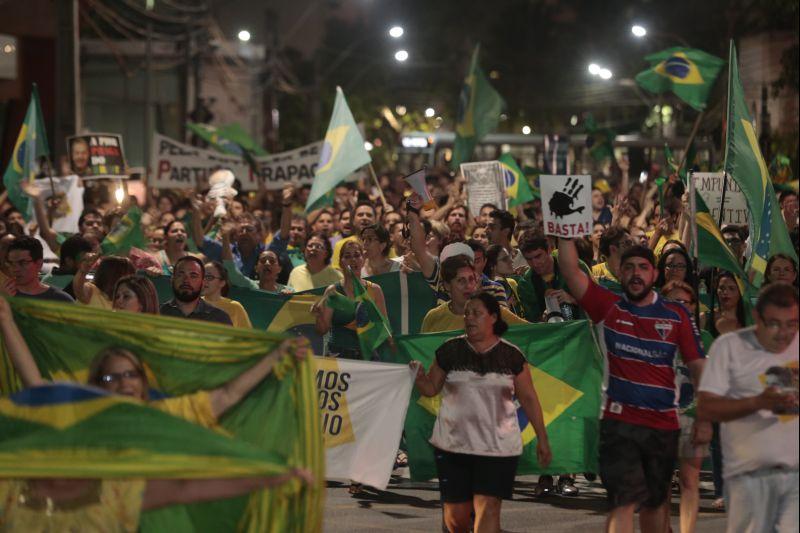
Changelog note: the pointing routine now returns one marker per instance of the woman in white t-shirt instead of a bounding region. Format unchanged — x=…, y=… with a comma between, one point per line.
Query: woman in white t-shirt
x=476, y=437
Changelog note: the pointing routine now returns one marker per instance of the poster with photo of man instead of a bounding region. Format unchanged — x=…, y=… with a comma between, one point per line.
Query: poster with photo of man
x=97, y=155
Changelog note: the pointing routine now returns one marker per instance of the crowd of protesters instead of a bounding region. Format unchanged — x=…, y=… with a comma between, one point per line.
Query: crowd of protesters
x=687, y=350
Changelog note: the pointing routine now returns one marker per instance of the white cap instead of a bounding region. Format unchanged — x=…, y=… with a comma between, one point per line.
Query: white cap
x=454, y=249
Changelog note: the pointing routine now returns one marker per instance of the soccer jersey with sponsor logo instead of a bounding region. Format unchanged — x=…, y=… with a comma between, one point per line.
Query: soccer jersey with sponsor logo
x=641, y=344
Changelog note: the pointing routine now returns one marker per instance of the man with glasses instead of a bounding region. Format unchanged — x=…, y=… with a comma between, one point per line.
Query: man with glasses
x=733, y=237
x=187, y=285
x=750, y=385
x=23, y=263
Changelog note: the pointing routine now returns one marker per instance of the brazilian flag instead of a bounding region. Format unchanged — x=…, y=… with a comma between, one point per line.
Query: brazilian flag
x=712, y=249
x=342, y=154
x=518, y=190
x=599, y=141
x=567, y=371
x=745, y=164
x=30, y=146
x=125, y=234
x=279, y=419
x=479, y=108
x=687, y=72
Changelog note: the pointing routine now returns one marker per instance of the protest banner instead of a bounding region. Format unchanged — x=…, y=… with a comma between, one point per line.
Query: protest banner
x=567, y=370
x=362, y=408
x=176, y=165
x=709, y=186
x=485, y=184
x=97, y=155
x=566, y=205
x=69, y=195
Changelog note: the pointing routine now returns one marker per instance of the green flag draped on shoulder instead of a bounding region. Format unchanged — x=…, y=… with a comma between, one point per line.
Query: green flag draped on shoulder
x=479, y=108
x=126, y=234
x=687, y=72
x=518, y=190
x=745, y=164
x=279, y=417
x=31, y=144
x=342, y=154
x=567, y=371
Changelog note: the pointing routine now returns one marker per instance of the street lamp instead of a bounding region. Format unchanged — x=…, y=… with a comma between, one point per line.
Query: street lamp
x=396, y=32
x=526, y=130
x=429, y=112
x=594, y=69
x=401, y=55
x=244, y=36
x=605, y=74
x=638, y=30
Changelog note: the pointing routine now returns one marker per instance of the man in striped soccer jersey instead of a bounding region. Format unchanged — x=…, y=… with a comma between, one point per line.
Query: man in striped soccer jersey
x=639, y=432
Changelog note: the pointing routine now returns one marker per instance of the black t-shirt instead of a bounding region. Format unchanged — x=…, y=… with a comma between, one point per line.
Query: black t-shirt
x=459, y=354
x=203, y=311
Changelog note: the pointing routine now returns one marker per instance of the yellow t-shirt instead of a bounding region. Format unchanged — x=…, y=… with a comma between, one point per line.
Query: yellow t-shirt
x=663, y=240
x=111, y=506
x=301, y=279
x=195, y=408
x=440, y=318
x=601, y=271
x=97, y=298
x=235, y=310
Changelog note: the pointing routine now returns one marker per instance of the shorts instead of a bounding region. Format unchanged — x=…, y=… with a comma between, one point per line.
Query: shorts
x=686, y=449
x=463, y=475
x=636, y=463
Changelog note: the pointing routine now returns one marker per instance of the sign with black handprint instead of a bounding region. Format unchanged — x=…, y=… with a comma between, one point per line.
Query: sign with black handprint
x=566, y=205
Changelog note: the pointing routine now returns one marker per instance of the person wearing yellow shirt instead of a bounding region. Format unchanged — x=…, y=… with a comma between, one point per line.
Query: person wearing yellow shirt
x=614, y=241
x=100, y=291
x=460, y=280
x=317, y=271
x=216, y=285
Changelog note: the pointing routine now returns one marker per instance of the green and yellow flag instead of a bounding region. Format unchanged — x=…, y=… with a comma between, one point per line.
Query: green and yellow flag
x=280, y=416
x=599, y=141
x=687, y=72
x=567, y=371
x=518, y=190
x=745, y=164
x=712, y=250
x=30, y=146
x=342, y=154
x=479, y=108
x=228, y=139
x=126, y=234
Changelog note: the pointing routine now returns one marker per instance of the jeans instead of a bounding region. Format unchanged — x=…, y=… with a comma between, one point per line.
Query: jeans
x=763, y=501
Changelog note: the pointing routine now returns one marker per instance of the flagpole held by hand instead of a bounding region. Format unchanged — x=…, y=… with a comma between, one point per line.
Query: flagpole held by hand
x=378, y=186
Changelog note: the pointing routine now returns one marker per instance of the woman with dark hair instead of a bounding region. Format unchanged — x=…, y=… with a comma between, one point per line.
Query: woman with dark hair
x=216, y=286
x=781, y=267
x=317, y=271
x=675, y=265
x=476, y=436
x=100, y=291
x=499, y=267
x=175, y=240
x=377, y=245
x=729, y=315
x=136, y=294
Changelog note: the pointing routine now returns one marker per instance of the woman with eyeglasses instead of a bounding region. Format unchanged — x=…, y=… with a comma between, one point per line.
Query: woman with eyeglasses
x=317, y=272
x=690, y=455
x=215, y=291
x=675, y=265
x=500, y=267
x=339, y=326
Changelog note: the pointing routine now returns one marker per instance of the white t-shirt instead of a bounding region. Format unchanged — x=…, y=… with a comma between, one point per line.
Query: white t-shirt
x=739, y=367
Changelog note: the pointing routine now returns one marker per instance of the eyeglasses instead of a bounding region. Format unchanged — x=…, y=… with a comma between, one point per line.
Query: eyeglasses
x=734, y=241
x=675, y=266
x=113, y=377
x=269, y=260
x=776, y=325
x=22, y=263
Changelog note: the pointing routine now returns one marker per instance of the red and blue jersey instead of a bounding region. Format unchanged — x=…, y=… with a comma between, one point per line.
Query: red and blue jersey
x=641, y=344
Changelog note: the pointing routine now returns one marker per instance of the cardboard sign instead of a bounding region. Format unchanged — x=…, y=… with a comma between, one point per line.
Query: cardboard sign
x=566, y=205
x=176, y=165
x=97, y=155
x=709, y=185
x=485, y=184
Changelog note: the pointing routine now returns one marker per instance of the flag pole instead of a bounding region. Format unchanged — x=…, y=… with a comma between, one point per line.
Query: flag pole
x=692, y=135
x=695, y=244
x=378, y=186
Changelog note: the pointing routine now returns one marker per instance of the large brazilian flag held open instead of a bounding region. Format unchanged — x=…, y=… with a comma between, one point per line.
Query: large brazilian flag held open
x=343, y=153
x=567, y=371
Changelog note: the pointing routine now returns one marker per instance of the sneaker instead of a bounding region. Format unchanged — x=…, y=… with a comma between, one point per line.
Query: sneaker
x=544, y=486
x=589, y=476
x=566, y=486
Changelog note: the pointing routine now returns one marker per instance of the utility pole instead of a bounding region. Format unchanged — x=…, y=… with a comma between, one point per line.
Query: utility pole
x=148, y=96
x=271, y=43
x=69, y=116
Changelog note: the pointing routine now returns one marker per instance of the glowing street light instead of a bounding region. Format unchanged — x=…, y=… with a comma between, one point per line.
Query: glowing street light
x=396, y=32
x=430, y=112
x=244, y=36
x=594, y=69
x=605, y=74
x=638, y=31
x=526, y=130
x=401, y=55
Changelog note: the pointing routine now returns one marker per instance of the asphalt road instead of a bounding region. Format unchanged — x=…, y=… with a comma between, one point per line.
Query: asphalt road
x=414, y=507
